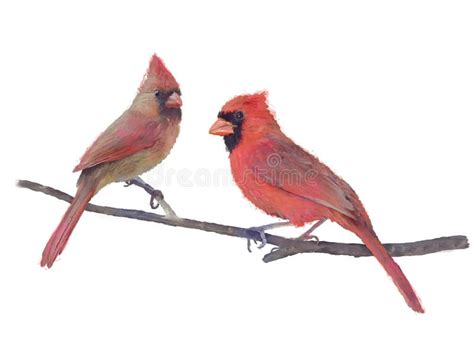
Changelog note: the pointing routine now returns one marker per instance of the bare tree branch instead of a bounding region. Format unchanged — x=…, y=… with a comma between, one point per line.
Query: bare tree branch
x=417, y=248
x=286, y=247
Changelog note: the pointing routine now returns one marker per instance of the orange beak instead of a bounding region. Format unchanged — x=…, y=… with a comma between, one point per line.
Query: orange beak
x=174, y=101
x=222, y=128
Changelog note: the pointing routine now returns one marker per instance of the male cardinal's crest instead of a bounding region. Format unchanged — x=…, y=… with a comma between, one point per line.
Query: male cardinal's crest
x=253, y=104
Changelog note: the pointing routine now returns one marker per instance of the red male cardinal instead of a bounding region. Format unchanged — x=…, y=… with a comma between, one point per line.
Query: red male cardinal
x=284, y=180
x=133, y=144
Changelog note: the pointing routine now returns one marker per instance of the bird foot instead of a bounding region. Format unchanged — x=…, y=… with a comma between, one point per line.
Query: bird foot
x=308, y=235
x=156, y=199
x=156, y=196
x=305, y=237
x=261, y=231
x=263, y=238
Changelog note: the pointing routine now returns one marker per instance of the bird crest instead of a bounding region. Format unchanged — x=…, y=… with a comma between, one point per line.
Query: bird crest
x=157, y=77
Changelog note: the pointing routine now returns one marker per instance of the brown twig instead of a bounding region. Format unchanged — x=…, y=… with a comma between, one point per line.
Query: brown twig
x=417, y=248
x=286, y=247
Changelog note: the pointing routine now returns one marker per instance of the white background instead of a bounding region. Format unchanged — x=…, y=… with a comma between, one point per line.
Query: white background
x=382, y=92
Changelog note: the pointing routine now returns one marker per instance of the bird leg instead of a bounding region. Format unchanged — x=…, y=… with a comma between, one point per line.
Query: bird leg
x=156, y=196
x=307, y=234
x=261, y=232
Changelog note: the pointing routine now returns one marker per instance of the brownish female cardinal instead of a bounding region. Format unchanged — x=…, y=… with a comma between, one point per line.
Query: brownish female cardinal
x=133, y=144
x=284, y=180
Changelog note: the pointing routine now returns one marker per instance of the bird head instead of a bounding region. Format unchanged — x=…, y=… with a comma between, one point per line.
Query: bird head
x=247, y=114
x=159, y=81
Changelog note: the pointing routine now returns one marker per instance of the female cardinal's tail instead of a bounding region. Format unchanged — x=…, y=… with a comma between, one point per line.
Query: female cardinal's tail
x=60, y=236
x=378, y=250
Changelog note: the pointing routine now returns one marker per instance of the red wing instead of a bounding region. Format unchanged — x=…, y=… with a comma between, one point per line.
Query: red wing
x=286, y=166
x=128, y=135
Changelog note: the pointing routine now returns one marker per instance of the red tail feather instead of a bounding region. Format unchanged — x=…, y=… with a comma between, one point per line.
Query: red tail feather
x=60, y=236
x=391, y=267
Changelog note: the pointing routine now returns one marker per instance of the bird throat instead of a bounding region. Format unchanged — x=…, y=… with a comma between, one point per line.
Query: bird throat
x=231, y=141
x=172, y=113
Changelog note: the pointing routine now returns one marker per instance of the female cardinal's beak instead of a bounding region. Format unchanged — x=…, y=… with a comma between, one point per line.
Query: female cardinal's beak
x=222, y=128
x=174, y=101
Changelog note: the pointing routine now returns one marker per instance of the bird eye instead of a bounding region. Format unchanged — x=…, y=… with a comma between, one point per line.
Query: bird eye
x=239, y=115
x=157, y=93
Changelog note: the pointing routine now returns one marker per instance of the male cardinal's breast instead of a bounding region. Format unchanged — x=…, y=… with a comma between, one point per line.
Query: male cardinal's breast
x=271, y=199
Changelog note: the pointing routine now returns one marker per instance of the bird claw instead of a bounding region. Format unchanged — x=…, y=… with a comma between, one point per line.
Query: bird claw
x=261, y=231
x=308, y=235
x=155, y=198
x=263, y=239
x=312, y=238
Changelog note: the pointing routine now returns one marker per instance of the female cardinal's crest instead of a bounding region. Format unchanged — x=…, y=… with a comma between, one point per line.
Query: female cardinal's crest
x=157, y=77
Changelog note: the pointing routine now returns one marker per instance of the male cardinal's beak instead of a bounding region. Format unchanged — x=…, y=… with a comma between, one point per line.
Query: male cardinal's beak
x=174, y=101
x=222, y=128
